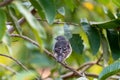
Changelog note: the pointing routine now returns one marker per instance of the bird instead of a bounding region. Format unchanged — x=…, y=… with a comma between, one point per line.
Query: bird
x=62, y=49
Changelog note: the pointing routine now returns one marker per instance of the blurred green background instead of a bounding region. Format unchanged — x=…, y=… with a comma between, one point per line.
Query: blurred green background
x=55, y=17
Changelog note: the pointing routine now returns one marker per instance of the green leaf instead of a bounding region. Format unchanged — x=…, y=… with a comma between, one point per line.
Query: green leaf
x=108, y=24
x=2, y=23
x=118, y=13
x=109, y=13
x=113, y=38
x=37, y=6
x=70, y=4
x=25, y=75
x=49, y=9
x=119, y=38
x=14, y=20
x=116, y=2
x=67, y=31
x=35, y=26
x=93, y=35
x=104, y=1
x=105, y=48
x=40, y=60
x=110, y=70
x=77, y=43
x=7, y=42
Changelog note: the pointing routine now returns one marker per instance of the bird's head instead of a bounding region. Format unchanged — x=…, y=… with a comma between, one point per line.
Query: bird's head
x=60, y=38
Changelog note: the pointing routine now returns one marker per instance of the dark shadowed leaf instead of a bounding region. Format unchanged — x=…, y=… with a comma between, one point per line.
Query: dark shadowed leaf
x=109, y=13
x=108, y=24
x=110, y=70
x=93, y=35
x=113, y=38
x=77, y=43
x=2, y=23
x=37, y=6
x=49, y=9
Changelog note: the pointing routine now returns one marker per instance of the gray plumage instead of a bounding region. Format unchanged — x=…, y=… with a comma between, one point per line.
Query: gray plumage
x=62, y=49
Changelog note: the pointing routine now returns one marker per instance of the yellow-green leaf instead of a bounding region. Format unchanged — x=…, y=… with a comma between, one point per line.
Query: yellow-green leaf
x=2, y=23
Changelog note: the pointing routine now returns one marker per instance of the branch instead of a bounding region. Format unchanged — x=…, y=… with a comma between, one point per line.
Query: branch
x=67, y=76
x=6, y=2
x=84, y=67
x=86, y=64
x=18, y=62
x=20, y=21
x=8, y=68
x=46, y=51
x=74, y=72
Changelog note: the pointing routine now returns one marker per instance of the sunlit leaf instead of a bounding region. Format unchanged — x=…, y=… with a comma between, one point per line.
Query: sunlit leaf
x=116, y=2
x=113, y=39
x=49, y=9
x=110, y=70
x=93, y=35
x=2, y=23
x=88, y=5
x=6, y=40
x=104, y=1
x=77, y=43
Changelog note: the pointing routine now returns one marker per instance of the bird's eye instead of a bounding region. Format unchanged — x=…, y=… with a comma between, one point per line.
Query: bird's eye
x=59, y=48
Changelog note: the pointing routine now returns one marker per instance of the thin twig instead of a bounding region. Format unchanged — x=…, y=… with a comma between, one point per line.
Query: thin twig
x=5, y=2
x=90, y=74
x=46, y=51
x=99, y=59
x=18, y=62
x=8, y=68
x=85, y=64
x=59, y=22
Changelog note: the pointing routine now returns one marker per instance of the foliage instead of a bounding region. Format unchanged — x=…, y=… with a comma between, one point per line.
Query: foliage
x=28, y=29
